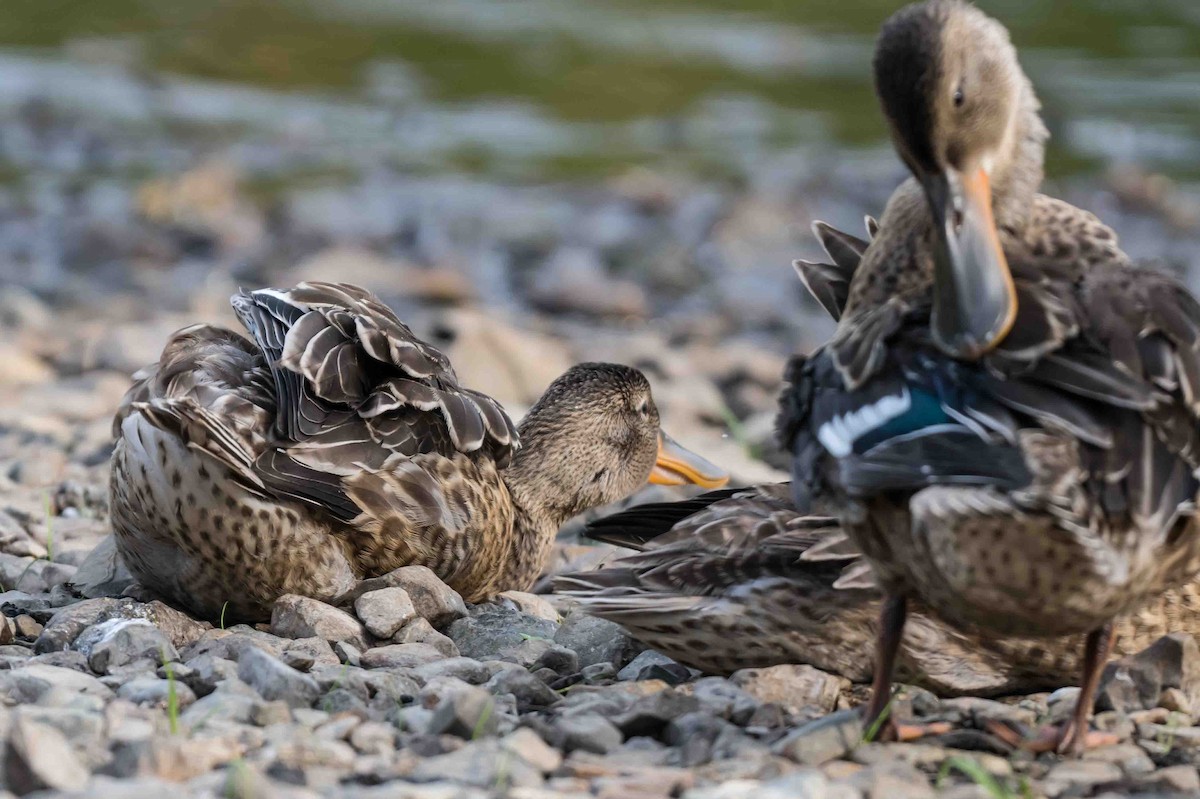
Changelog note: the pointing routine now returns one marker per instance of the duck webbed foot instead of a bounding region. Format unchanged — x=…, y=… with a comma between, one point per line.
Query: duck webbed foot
x=1073, y=737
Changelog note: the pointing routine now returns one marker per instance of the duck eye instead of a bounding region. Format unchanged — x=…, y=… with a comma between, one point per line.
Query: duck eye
x=959, y=97
x=643, y=408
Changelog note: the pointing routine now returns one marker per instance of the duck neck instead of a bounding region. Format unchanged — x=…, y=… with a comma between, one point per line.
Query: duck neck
x=1015, y=182
x=542, y=496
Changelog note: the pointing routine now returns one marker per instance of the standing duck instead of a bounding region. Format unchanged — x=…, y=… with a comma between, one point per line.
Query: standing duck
x=740, y=578
x=335, y=445
x=1006, y=416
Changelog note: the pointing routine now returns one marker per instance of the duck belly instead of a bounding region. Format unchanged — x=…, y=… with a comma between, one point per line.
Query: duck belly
x=193, y=534
x=979, y=561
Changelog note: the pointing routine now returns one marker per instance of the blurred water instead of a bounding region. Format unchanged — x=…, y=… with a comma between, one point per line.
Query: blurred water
x=538, y=88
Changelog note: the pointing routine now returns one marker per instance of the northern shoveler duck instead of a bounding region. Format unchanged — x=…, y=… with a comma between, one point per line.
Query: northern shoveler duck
x=740, y=578
x=1006, y=416
x=334, y=445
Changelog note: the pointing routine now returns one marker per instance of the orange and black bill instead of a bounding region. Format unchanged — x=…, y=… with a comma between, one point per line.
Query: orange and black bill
x=677, y=466
x=974, y=301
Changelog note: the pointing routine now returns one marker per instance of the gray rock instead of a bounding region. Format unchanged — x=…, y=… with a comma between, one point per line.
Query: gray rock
x=231, y=643
x=385, y=611
x=434, y=601
x=420, y=631
x=399, y=656
x=560, y=660
x=467, y=713
x=589, y=732
x=827, y=738
x=893, y=780
x=650, y=714
x=529, y=746
x=483, y=764
x=301, y=617
x=226, y=704
x=205, y=672
x=121, y=642
x=156, y=692
x=719, y=696
x=594, y=640
x=39, y=757
x=466, y=669
x=1137, y=681
x=30, y=683
x=807, y=784
x=304, y=653
x=530, y=692
x=490, y=630
x=276, y=681
x=1079, y=774
x=651, y=665
x=103, y=573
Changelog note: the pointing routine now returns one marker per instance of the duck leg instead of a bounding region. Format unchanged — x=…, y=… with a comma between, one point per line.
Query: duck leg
x=892, y=615
x=1074, y=738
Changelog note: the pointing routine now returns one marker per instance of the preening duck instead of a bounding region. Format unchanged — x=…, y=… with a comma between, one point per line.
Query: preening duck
x=333, y=444
x=740, y=578
x=1006, y=417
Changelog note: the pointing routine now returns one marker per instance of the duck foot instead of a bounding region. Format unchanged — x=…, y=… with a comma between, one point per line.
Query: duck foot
x=1065, y=739
x=913, y=732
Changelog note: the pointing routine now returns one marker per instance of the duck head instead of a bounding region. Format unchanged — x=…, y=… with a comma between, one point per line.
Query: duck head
x=593, y=438
x=963, y=117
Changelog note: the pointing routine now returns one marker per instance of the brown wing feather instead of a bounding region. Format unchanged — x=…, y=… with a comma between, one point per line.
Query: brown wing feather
x=357, y=390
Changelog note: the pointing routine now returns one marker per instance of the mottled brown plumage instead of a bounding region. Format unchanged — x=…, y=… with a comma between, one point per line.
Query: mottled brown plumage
x=337, y=445
x=741, y=579
x=1006, y=417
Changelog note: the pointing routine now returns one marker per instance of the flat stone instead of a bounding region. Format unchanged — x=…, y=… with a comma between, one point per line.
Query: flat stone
x=385, y=611
x=825, y=739
x=491, y=630
x=274, y=680
x=301, y=617
x=483, y=764
x=156, y=692
x=39, y=757
x=399, y=656
x=792, y=686
x=29, y=683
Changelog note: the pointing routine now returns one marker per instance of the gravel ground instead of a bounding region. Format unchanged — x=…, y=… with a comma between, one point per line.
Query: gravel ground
x=409, y=692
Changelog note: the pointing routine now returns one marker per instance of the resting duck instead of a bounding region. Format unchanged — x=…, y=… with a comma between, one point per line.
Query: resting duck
x=1006, y=416
x=740, y=578
x=335, y=445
